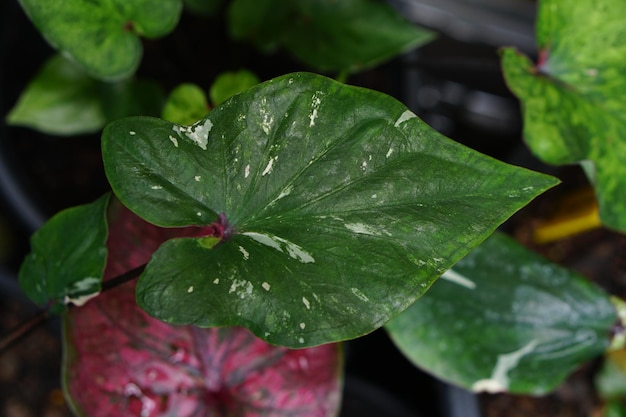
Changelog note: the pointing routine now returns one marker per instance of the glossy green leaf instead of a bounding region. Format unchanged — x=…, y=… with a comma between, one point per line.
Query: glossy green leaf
x=67, y=257
x=102, y=36
x=338, y=208
x=327, y=35
x=186, y=104
x=61, y=100
x=228, y=84
x=505, y=319
x=573, y=97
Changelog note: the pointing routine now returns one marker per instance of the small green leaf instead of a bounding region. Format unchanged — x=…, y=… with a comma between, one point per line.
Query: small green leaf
x=185, y=105
x=68, y=256
x=328, y=35
x=230, y=83
x=505, y=319
x=103, y=36
x=573, y=103
x=338, y=208
x=61, y=100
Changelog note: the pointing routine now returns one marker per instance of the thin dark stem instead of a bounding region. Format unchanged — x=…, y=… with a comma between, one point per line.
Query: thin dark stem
x=26, y=327
x=122, y=279
x=23, y=329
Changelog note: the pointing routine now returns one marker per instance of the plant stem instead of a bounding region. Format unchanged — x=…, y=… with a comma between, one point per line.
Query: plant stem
x=23, y=329
x=26, y=327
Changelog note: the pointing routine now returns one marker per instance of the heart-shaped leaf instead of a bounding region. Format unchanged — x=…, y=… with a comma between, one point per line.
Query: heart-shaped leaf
x=228, y=84
x=121, y=362
x=103, y=36
x=574, y=109
x=337, y=208
x=327, y=35
x=67, y=267
x=186, y=104
x=505, y=319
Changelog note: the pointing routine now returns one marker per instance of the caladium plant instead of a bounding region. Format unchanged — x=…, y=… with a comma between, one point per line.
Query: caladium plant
x=299, y=213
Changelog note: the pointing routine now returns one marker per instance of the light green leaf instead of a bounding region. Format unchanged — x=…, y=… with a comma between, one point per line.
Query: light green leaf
x=228, y=84
x=505, y=319
x=338, y=208
x=67, y=257
x=61, y=100
x=327, y=35
x=102, y=36
x=573, y=103
x=186, y=104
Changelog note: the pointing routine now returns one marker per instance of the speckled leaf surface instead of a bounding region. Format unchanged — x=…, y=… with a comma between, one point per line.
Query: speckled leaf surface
x=103, y=36
x=337, y=208
x=327, y=35
x=573, y=96
x=119, y=361
x=505, y=319
x=65, y=267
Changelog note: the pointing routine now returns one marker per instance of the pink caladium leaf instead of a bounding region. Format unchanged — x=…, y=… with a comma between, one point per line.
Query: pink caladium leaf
x=119, y=361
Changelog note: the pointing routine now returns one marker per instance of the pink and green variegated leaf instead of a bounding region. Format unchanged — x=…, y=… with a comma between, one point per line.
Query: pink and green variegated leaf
x=121, y=362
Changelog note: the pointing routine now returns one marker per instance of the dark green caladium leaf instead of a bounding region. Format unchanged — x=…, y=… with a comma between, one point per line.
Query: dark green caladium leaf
x=327, y=35
x=103, y=36
x=64, y=266
x=335, y=208
x=505, y=319
x=573, y=96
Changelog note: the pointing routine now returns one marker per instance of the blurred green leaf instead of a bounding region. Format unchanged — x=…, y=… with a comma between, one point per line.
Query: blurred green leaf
x=505, y=319
x=327, y=35
x=573, y=98
x=102, y=36
x=185, y=105
x=228, y=84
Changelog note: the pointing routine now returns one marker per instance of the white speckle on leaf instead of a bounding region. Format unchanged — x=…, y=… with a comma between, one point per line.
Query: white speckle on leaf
x=364, y=165
x=302, y=325
x=407, y=115
x=199, y=214
x=197, y=178
x=244, y=252
x=246, y=171
x=499, y=380
x=285, y=192
x=81, y=300
x=156, y=187
x=190, y=289
x=241, y=287
x=374, y=195
x=359, y=294
x=462, y=280
x=312, y=118
x=529, y=188
x=270, y=166
x=174, y=141
x=266, y=286
x=268, y=119
x=301, y=340
x=389, y=152
x=132, y=133
x=197, y=132
x=306, y=303
x=216, y=281
x=282, y=245
x=364, y=229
